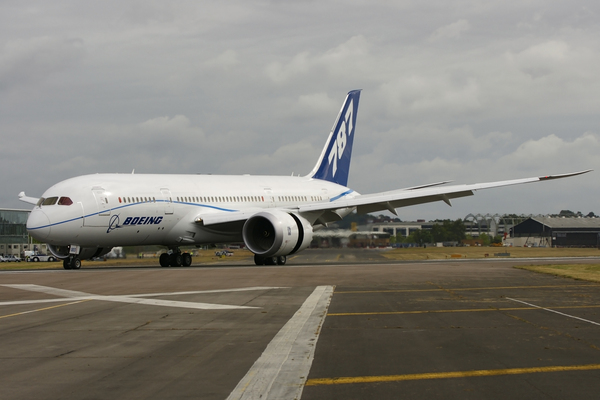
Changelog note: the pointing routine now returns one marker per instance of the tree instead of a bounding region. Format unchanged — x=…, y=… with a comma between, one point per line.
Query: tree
x=420, y=237
x=485, y=239
x=449, y=231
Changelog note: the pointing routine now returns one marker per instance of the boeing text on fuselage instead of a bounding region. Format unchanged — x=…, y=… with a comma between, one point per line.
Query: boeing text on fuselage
x=274, y=216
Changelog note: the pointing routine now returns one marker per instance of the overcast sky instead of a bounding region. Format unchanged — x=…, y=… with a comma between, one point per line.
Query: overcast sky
x=469, y=91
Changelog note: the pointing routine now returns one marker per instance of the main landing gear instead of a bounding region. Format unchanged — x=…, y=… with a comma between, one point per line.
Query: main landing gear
x=72, y=262
x=259, y=260
x=175, y=258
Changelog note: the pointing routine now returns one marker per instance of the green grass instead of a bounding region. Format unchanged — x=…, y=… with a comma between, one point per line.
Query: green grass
x=587, y=272
x=441, y=253
x=202, y=257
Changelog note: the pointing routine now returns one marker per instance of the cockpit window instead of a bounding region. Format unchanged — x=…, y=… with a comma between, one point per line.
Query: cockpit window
x=50, y=201
x=65, y=201
x=40, y=201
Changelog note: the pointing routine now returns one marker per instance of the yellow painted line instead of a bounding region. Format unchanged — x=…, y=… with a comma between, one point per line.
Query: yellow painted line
x=447, y=375
x=42, y=309
x=450, y=311
x=465, y=289
x=428, y=311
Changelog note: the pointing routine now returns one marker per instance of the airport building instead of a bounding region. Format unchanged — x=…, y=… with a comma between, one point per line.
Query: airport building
x=13, y=232
x=558, y=232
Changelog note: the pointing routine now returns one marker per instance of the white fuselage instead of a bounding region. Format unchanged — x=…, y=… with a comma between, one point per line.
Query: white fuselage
x=138, y=209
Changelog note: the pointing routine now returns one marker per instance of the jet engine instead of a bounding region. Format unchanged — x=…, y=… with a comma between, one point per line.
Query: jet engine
x=84, y=253
x=276, y=233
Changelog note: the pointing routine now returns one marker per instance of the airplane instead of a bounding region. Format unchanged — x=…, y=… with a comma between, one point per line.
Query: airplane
x=274, y=216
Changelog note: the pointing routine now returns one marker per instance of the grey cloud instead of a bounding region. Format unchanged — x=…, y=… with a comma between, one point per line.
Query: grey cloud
x=26, y=62
x=451, y=90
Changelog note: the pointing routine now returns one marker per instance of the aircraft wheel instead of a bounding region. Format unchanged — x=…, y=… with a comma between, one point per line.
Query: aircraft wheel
x=75, y=263
x=176, y=260
x=281, y=260
x=258, y=260
x=271, y=261
x=66, y=263
x=164, y=260
x=186, y=259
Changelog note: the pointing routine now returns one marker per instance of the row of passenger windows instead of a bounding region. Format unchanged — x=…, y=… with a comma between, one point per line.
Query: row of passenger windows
x=66, y=201
x=137, y=200
x=219, y=199
x=243, y=199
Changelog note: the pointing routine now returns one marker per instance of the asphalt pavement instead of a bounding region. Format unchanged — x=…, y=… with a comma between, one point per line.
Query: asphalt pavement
x=345, y=327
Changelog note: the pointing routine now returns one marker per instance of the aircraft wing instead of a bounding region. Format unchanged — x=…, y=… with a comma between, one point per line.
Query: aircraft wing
x=381, y=201
x=214, y=218
x=419, y=195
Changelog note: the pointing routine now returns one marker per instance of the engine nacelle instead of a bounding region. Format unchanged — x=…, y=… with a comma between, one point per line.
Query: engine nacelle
x=84, y=252
x=276, y=233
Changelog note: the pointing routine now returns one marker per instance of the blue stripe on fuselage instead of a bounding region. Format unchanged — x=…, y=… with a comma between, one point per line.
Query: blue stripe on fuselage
x=124, y=206
x=341, y=195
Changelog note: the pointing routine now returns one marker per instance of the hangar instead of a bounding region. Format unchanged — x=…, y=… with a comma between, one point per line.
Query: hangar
x=559, y=232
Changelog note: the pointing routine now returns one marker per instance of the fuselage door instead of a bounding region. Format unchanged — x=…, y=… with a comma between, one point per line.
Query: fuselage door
x=269, y=199
x=167, y=200
x=101, y=201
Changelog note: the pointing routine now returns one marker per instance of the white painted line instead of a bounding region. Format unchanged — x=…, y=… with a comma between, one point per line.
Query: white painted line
x=554, y=311
x=281, y=371
x=208, y=291
x=133, y=299
x=49, y=290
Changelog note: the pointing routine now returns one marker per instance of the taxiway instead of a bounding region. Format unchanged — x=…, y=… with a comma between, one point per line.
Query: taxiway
x=447, y=330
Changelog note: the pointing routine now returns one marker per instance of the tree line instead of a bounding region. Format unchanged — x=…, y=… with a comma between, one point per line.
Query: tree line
x=442, y=231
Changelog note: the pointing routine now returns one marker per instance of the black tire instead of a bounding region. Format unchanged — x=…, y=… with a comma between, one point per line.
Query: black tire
x=35, y=259
x=186, y=259
x=176, y=260
x=66, y=263
x=51, y=259
x=271, y=261
x=75, y=263
x=164, y=260
x=281, y=260
x=258, y=260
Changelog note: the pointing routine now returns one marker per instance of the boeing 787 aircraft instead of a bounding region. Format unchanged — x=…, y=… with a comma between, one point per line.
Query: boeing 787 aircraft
x=85, y=216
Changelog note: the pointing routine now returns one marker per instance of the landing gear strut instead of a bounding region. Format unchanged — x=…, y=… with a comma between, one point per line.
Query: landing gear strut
x=72, y=262
x=175, y=258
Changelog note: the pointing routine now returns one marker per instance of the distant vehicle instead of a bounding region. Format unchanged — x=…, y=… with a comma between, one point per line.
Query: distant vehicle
x=42, y=257
x=10, y=258
x=223, y=253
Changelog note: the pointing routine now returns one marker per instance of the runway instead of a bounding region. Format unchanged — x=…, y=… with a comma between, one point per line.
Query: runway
x=310, y=330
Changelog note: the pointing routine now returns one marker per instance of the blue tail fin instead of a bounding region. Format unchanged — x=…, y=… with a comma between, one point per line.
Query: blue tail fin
x=334, y=162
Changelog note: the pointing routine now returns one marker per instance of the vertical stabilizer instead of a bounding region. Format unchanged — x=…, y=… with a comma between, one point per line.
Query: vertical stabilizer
x=334, y=162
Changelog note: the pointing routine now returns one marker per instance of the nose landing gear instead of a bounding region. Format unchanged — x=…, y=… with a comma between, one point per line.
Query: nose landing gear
x=72, y=262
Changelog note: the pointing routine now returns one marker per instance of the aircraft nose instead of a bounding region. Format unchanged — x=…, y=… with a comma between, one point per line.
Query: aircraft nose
x=38, y=225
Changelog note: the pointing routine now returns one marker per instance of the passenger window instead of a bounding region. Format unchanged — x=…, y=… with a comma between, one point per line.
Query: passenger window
x=65, y=201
